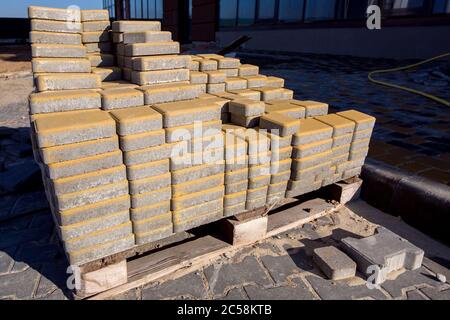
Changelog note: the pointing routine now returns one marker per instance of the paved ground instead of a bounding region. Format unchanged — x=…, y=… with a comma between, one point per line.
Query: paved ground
x=412, y=132
x=32, y=265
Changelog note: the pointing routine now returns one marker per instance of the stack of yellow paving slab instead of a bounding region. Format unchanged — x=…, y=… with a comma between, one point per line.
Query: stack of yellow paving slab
x=236, y=170
x=96, y=39
x=59, y=60
x=194, y=129
x=86, y=182
x=146, y=157
x=281, y=129
x=359, y=147
x=311, y=156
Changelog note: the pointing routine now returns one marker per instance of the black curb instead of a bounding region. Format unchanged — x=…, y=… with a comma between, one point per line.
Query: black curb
x=420, y=202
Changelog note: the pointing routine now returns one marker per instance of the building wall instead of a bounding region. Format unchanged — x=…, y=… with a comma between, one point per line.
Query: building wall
x=389, y=42
x=204, y=17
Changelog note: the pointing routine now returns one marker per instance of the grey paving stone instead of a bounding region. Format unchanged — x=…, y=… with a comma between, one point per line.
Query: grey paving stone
x=386, y=250
x=248, y=271
x=299, y=292
x=435, y=294
x=280, y=267
x=129, y=295
x=53, y=278
x=330, y=290
x=410, y=279
x=335, y=264
x=19, y=287
x=6, y=260
x=55, y=295
x=188, y=285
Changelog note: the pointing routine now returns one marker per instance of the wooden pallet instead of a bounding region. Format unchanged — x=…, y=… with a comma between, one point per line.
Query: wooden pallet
x=188, y=251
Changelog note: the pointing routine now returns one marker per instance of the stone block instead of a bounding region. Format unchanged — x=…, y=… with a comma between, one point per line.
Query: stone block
x=384, y=250
x=197, y=185
x=311, y=131
x=259, y=182
x=58, y=65
x=280, y=177
x=170, y=92
x=101, y=59
x=280, y=166
x=280, y=154
x=136, y=26
x=311, y=161
x=311, y=149
x=247, y=94
x=363, y=134
x=283, y=125
x=95, y=210
x=164, y=62
x=215, y=87
x=151, y=211
x=246, y=107
x=234, y=210
x=192, y=131
x=79, y=257
x=298, y=188
x=54, y=38
x=149, y=169
x=80, y=166
x=233, y=163
x=72, y=127
x=78, y=150
x=256, y=203
x=55, y=26
x=274, y=82
x=153, y=223
x=196, y=77
x=235, y=84
x=146, y=37
x=231, y=72
x=254, y=194
x=94, y=224
x=121, y=98
x=142, y=140
x=137, y=120
x=197, y=198
x=141, y=156
x=256, y=81
x=99, y=237
x=360, y=144
x=339, y=151
x=154, y=235
x=197, y=210
x=311, y=172
x=358, y=154
x=108, y=73
x=197, y=172
x=88, y=180
x=67, y=81
x=152, y=49
x=56, y=14
x=248, y=70
x=150, y=184
x=268, y=93
x=84, y=197
x=159, y=76
x=119, y=84
x=216, y=76
x=342, y=140
x=198, y=221
x=117, y=37
x=226, y=62
x=236, y=187
x=188, y=112
x=44, y=50
x=96, y=26
x=257, y=171
x=194, y=65
x=313, y=108
x=287, y=109
x=277, y=188
x=94, y=15
x=341, y=126
x=233, y=199
x=335, y=264
x=151, y=198
x=287, y=94
x=59, y=101
x=94, y=36
x=362, y=121
x=126, y=74
x=236, y=176
x=98, y=47
x=208, y=65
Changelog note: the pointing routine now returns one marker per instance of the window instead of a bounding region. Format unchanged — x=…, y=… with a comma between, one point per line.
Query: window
x=320, y=10
x=146, y=9
x=266, y=9
x=404, y=7
x=228, y=13
x=246, y=12
x=441, y=6
x=291, y=10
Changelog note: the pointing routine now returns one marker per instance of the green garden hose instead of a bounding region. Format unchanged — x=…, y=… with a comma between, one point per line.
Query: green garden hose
x=424, y=94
